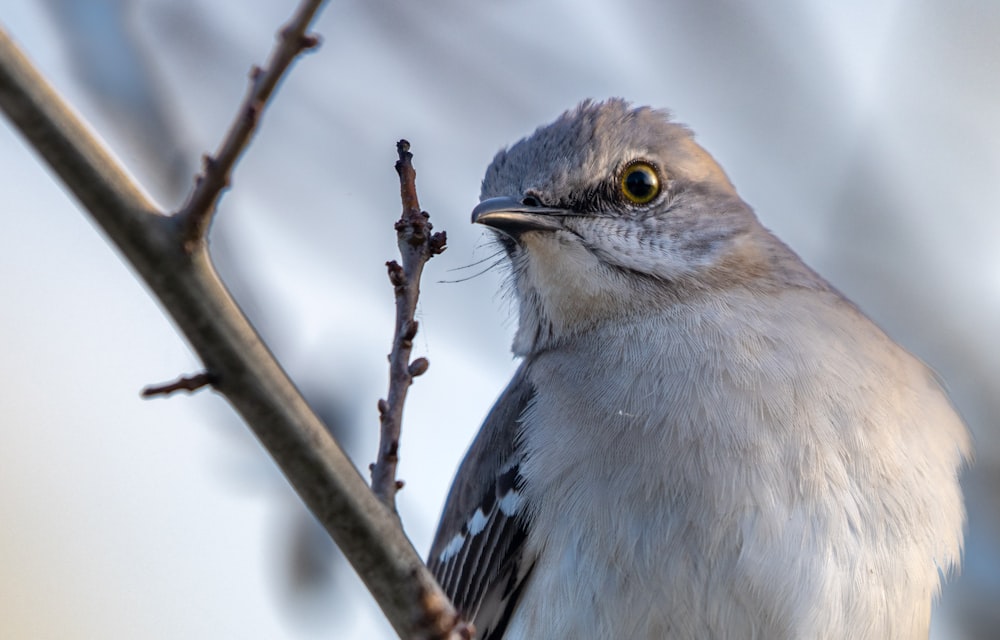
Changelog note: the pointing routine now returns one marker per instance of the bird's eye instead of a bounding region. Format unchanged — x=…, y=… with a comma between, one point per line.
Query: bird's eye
x=640, y=183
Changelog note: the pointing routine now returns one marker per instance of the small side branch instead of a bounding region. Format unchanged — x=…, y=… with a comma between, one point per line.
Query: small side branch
x=184, y=383
x=196, y=215
x=417, y=245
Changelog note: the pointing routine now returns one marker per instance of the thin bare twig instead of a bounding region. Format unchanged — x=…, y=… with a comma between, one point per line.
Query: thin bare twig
x=189, y=289
x=197, y=213
x=184, y=383
x=417, y=245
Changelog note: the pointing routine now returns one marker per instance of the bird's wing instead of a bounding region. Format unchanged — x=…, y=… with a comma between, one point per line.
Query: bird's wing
x=478, y=552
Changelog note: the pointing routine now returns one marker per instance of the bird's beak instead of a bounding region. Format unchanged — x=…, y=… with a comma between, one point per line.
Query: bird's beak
x=514, y=217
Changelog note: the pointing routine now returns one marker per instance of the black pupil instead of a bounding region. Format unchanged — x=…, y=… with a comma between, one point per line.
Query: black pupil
x=640, y=184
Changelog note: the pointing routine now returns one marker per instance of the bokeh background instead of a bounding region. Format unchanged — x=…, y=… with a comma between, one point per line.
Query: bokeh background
x=866, y=133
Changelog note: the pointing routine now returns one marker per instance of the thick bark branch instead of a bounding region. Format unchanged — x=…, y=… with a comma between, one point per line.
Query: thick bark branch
x=242, y=369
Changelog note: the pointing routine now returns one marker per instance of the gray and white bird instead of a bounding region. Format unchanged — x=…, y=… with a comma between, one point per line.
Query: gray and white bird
x=705, y=439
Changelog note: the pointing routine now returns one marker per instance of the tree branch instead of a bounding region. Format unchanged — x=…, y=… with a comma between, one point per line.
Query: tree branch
x=184, y=383
x=182, y=277
x=416, y=246
x=196, y=214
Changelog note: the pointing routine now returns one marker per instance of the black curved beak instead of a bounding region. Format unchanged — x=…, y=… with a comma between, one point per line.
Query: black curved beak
x=513, y=217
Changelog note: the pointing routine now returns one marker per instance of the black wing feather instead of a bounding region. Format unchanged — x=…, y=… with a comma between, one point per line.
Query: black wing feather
x=478, y=552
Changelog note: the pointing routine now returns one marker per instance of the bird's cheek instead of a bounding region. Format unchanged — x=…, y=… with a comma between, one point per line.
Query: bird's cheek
x=571, y=284
x=655, y=255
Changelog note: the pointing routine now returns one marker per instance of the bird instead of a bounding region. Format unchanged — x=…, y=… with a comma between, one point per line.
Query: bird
x=704, y=439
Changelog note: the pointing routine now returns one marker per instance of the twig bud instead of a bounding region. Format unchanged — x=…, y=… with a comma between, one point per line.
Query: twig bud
x=396, y=274
x=438, y=242
x=418, y=367
x=410, y=331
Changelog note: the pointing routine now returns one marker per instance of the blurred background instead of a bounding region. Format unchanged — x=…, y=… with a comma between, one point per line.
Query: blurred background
x=866, y=133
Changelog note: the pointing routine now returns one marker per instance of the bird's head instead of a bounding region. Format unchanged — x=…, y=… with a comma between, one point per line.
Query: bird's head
x=612, y=212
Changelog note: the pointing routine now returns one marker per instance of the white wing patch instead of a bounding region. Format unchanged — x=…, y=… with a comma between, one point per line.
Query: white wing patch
x=510, y=503
x=506, y=505
x=454, y=546
x=478, y=522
